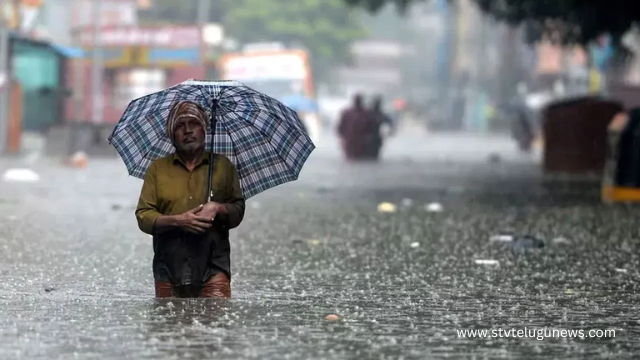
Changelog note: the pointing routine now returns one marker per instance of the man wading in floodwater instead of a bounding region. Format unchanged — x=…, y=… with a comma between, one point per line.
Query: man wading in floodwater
x=190, y=239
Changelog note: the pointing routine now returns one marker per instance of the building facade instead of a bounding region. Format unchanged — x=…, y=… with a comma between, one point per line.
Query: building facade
x=138, y=60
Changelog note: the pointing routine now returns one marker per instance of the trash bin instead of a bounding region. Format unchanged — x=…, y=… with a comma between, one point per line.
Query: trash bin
x=575, y=135
x=621, y=178
x=14, y=133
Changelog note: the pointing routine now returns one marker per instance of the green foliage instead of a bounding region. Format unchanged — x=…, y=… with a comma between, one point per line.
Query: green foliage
x=374, y=6
x=323, y=27
x=572, y=21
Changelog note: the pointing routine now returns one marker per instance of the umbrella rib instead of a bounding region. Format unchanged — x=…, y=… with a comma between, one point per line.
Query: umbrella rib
x=284, y=161
x=229, y=133
x=288, y=168
x=144, y=156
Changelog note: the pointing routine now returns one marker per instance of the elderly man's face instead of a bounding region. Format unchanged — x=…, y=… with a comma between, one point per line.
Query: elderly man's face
x=189, y=134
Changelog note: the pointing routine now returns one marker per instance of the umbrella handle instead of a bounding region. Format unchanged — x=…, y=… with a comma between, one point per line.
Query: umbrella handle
x=212, y=123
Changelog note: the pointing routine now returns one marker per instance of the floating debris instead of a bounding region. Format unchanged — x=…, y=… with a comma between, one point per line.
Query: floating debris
x=313, y=242
x=79, y=160
x=561, y=241
x=386, y=207
x=20, y=175
x=48, y=289
x=415, y=245
x=624, y=271
x=501, y=238
x=332, y=317
x=434, y=207
x=487, y=262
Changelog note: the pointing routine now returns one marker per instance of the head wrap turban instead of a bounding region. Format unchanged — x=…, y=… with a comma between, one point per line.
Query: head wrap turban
x=184, y=109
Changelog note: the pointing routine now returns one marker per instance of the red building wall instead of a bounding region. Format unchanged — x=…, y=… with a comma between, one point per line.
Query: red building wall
x=178, y=75
x=111, y=112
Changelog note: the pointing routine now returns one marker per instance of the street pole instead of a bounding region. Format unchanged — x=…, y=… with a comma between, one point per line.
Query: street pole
x=78, y=86
x=78, y=75
x=204, y=7
x=482, y=89
x=474, y=114
x=97, y=71
x=5, y=89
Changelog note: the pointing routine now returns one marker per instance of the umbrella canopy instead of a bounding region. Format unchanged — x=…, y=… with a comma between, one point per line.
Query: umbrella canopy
x=263, y=138
x=300, y=103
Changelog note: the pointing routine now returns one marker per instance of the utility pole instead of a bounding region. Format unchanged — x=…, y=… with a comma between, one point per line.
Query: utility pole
x=5, y=88
x=97, y=71
x=78, y=82
x=78, y=72
x=204, y=7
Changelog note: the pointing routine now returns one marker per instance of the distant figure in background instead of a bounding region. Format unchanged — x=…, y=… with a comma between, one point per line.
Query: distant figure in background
x=522, y=130
x=458, y=110
x=356, y=130
x=381, y=118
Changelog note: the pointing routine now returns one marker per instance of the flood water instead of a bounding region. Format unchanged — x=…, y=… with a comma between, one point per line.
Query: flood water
x=76, y=282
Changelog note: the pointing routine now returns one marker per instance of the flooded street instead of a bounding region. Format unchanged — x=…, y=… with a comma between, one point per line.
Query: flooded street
x=76, y=278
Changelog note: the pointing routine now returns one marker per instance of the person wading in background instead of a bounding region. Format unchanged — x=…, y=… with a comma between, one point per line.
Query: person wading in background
x=381, y=119
x=356, y=130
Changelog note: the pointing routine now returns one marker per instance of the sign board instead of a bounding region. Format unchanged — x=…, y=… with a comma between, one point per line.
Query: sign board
x=144, y=56
x=131, y=56
x=175, y=37
x=257, y=47
x=112, y=13
x=276, y=66
x=20, y=14
x=388, y=76
x=377, y=48
x=213, y=34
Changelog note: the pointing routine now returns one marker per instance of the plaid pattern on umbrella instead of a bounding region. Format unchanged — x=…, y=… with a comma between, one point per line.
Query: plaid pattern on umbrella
x=263, y=138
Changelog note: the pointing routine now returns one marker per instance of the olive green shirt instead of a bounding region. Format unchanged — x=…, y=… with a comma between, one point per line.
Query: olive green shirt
x=170, y=189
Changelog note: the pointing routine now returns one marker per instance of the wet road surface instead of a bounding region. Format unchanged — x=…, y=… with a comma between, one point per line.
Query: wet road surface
x=76, y=282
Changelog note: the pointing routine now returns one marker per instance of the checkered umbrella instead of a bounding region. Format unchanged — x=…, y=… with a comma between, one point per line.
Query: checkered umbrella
x=263, y=138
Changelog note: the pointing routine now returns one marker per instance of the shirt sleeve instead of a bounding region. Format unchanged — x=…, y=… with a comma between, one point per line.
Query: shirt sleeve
x=234, y=201
x=147, y=209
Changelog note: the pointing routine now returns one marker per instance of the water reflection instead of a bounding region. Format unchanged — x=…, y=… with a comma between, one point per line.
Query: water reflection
x=188, y=327
x=297, y=259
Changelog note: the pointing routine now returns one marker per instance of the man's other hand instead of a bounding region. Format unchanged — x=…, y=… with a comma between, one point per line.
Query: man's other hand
x=211, y=209
x=194, y=221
